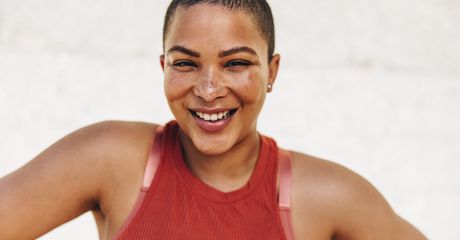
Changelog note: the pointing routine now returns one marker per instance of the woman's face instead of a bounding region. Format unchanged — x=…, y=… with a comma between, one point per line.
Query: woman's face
x=216, y=72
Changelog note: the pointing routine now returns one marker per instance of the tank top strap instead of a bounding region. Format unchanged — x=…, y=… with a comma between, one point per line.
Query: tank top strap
x=154, y=158
x=284, y=194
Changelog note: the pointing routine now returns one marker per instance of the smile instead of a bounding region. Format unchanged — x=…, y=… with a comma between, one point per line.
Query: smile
x=213, y=117
x=213, y=120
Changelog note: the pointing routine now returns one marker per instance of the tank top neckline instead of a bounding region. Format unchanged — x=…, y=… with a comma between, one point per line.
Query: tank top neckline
x=194, y=184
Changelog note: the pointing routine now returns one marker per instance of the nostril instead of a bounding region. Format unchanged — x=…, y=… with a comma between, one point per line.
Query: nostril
x=209, y=91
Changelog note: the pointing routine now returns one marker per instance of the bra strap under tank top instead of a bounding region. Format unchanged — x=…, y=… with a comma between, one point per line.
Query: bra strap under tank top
x=284, y=191
x=284, y=178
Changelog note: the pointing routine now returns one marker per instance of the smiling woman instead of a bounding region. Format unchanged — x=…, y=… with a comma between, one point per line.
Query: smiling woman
x=225, y=72
x=209, y=173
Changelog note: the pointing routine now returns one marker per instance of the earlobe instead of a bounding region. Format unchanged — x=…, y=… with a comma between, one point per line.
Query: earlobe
x=162, y=62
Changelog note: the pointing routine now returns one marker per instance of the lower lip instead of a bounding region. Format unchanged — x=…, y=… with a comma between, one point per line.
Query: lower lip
x=212, y=126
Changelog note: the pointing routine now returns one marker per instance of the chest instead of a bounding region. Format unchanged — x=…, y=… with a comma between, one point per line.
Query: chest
x=176, y=209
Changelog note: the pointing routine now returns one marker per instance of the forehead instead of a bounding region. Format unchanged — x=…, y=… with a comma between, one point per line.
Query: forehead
x=207, y=26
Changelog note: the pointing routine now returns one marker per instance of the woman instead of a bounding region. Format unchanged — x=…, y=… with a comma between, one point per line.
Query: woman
x=208, y=174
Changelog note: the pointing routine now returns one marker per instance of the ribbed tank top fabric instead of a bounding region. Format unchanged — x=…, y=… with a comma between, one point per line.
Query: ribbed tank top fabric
x=178, y=205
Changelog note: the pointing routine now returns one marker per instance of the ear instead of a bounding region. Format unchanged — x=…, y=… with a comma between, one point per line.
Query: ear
x=162, y=62
x=273, y=70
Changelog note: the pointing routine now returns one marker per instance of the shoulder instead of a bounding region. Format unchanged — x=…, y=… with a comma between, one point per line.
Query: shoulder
x=346, y=203
x=111, y=141
x=119, y=150
x=110, y=144
x=88, y=168
x=113, y=131
x=111, y=156
x=102, y=151
x=99, y=155
x=328, y=180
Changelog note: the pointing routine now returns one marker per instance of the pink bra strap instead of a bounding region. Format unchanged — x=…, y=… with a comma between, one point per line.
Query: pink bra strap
x=153, y=162
x=284, y=194
x=154, y=159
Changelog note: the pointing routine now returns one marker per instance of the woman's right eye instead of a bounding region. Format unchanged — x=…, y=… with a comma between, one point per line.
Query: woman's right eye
x=184, y=65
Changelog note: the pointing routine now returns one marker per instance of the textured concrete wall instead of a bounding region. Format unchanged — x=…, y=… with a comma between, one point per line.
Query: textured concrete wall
x=372, y=85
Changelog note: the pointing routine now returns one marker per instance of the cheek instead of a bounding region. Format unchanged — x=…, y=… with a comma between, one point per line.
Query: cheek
x=176, y=85
x=249, y=87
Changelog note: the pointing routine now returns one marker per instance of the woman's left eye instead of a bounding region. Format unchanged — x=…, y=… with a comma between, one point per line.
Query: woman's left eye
x=236, y=63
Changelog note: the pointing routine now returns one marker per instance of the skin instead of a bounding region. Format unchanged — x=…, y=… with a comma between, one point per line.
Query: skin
x=100, y=168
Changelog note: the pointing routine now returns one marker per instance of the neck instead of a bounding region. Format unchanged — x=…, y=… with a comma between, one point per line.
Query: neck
x=228, y=171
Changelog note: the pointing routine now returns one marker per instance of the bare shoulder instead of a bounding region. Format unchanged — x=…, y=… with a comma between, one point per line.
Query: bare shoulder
x=114, y=149
x=117, y=132
x=328, y=180
x=124, y=147
x=72, y=176
x=118, y=141
x=346, y=204
x=121, y=149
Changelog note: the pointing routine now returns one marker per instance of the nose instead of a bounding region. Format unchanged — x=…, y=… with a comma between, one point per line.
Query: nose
x=210, y=85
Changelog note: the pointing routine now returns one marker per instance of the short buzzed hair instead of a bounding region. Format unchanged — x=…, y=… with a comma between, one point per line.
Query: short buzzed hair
x=259, y=10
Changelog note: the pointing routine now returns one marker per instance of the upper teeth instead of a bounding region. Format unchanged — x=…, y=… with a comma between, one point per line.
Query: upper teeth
x=214, y=116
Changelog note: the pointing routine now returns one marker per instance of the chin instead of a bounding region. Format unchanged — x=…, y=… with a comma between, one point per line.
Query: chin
x=210, y=147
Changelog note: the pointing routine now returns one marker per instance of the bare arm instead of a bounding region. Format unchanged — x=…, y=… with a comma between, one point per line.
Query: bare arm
x=58, y=185
x=342, y=205
x=365, y=214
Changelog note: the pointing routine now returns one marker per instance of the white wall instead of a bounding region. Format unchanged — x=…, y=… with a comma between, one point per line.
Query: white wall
x=373, y=85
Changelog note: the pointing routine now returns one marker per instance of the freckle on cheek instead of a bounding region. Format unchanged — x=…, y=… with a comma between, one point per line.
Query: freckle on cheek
x=176, y=86
x=176, y=81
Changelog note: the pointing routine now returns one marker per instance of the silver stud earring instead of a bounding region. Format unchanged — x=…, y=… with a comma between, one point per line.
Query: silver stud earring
x=269, y=87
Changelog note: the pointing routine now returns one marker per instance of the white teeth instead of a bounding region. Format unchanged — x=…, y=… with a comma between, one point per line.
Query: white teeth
x=214, y=116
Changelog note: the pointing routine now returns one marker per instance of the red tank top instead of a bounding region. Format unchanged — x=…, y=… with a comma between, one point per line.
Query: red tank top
x=174, y=204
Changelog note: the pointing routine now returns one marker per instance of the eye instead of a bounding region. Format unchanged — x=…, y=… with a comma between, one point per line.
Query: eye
x=184, y=65
x=235, y=64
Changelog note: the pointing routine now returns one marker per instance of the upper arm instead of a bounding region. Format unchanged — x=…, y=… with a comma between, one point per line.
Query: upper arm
x=348, y=205
x=56, y=186
x=365, y=214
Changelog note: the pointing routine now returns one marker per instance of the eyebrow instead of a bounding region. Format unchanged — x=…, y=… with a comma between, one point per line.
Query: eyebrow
x=222, y=54
x=238, y=50
x=184, y=50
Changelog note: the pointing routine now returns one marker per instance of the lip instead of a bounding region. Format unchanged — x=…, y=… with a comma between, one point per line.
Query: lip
x=211, y=110
x=216, y=126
